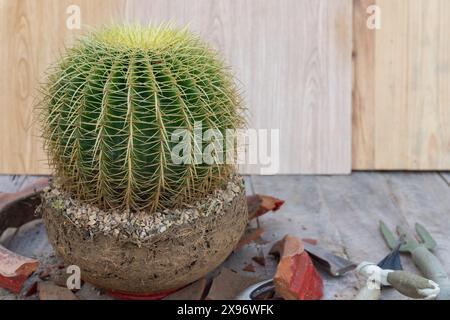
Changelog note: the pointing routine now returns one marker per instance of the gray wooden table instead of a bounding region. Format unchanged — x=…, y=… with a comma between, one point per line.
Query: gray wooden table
x=342, y=213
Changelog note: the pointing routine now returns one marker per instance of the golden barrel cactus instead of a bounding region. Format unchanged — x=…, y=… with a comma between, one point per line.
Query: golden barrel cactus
x=112, y=103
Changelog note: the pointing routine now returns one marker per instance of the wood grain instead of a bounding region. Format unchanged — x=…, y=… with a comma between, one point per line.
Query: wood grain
x=32, y=35
x=14, y=183
x=342, y=213
x=409, y=122
x=363, y=99
x=303, y=215
x=293, y=58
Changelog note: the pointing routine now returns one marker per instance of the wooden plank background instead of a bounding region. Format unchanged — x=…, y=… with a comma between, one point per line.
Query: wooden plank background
x=293, y=58
x=32, y=34
x=401, y=110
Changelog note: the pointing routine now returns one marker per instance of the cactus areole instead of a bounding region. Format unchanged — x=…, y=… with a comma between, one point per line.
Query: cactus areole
x=136, y=122
x=112, y=105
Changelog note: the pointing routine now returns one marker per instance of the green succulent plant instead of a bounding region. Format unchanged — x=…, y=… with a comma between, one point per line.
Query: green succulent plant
x=111, y=103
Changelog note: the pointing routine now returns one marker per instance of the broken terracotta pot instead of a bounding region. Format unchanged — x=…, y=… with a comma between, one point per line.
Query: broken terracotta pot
x=296, y=277
x=261, y=260
x=15, y=269
x=15, y=210
x=259, y=205
x=249, y=268
x=19, y=207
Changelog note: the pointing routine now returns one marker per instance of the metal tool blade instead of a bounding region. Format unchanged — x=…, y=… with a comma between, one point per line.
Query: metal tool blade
x=388, y=236
x=426, y=237
x=392, y=240
x=410, y=242
x=333, y=264
x=392, y=261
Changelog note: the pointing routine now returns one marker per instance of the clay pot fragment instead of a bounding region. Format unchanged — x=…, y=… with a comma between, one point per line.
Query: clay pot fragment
x=296, y=277
x=261, y=204
x=15, y=269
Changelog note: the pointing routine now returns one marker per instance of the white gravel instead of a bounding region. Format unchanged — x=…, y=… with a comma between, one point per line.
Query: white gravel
x=140, y=225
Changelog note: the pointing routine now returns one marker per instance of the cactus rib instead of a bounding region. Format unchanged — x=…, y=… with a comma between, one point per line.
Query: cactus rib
x=111, y=103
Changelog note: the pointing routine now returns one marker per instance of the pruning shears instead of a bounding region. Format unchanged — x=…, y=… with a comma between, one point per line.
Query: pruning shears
x=426, y=262
x=389, y=272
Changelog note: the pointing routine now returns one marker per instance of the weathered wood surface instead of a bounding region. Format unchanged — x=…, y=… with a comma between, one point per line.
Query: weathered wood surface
x=446, y=177
x=305, y=215
x=424, y=198
x=342, y=213
x=15, y=183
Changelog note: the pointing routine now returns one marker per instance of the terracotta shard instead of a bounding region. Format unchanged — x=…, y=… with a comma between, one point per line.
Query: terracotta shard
x=260, y=260
x=15, y=269
x=296, y=277
x=250, y=235
x=50, y=291
x=310, y=241
x=288, y=246
x=194, y=291
x=253, y=205
x=249, y=268
x=261, y=204
x=7, y=199
x=228, y=284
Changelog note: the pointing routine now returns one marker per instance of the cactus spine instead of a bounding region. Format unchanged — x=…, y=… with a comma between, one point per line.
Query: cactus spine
x=111, y=103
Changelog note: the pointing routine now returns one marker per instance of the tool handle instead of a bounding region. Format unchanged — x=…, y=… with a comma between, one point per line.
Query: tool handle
x=366, y=293
x=412, y=285
x=432, y=268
